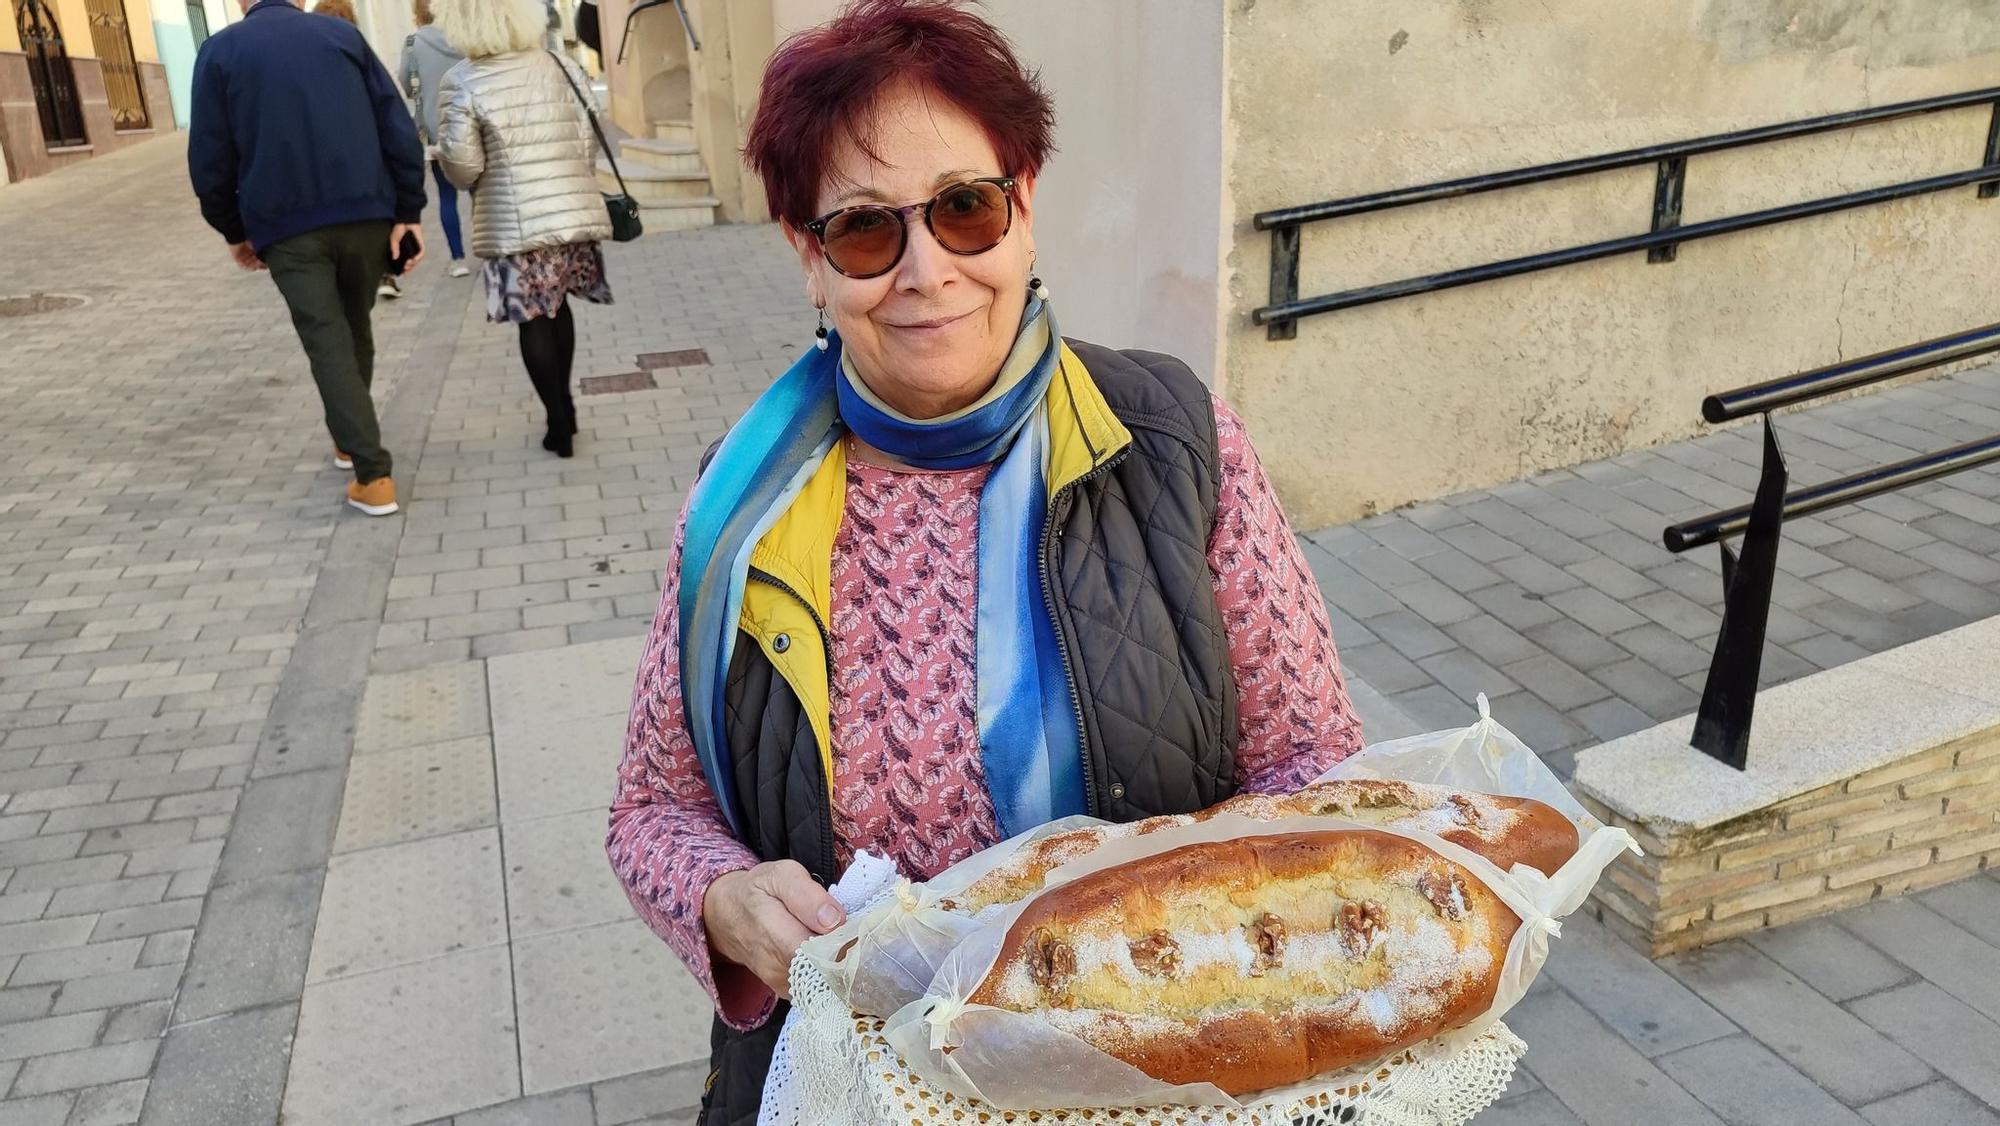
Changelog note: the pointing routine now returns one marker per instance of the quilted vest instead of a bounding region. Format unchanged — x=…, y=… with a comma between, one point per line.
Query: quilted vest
x=1125, y=564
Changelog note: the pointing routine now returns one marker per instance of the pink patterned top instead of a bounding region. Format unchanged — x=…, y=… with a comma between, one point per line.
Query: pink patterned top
x=907, y=775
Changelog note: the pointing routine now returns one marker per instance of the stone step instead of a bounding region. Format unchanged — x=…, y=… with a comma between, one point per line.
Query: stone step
x=667, y=156
x=682, y=131
x=651, y=186
x=679, y=214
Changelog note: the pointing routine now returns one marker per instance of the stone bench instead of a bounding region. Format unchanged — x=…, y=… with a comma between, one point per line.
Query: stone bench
x=1877, y=778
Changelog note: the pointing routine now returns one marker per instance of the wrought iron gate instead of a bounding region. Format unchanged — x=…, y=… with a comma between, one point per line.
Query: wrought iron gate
x=50, y=74
x=122, y=85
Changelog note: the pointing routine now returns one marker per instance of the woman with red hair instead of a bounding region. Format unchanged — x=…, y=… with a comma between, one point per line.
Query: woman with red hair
x=952, y=576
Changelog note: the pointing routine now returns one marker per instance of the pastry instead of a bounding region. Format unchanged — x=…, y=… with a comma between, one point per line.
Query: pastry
x=1258, y=962
x=1505, y=830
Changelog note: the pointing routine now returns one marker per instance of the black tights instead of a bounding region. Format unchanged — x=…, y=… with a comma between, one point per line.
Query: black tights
x=548, y=348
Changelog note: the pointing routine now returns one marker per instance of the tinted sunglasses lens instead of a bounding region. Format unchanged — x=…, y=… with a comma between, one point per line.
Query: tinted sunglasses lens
x=970, y=218
x=864, y=241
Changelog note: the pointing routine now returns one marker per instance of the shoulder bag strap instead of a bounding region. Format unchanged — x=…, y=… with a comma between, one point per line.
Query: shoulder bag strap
x=594, y=126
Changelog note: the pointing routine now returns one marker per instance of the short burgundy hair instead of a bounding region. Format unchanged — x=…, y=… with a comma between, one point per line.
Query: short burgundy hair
x=822, y=81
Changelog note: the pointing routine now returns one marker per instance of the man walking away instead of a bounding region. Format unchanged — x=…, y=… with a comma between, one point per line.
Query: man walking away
x=306, y=161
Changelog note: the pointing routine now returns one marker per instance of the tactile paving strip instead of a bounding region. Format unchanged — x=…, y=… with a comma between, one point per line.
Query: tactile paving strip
x=427, y=705
x=415, y=792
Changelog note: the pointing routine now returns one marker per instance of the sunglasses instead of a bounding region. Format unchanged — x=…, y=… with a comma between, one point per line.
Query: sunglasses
x=867, y=241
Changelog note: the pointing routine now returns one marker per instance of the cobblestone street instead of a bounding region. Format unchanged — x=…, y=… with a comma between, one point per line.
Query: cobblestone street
x=302, y=813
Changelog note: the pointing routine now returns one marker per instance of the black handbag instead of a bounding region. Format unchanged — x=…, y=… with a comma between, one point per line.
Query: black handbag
x=625, y=224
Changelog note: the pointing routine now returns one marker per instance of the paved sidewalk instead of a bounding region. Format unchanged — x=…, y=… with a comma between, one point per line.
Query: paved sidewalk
x=382, y=837
x=1554, y=595
x=468, y=874
x=166, y=501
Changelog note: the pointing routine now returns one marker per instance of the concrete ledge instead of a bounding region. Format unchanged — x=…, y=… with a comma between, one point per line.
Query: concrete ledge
x=1873, y=779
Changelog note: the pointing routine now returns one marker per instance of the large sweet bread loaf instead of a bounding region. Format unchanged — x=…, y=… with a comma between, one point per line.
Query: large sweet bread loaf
x=1258, y=962
x=1505, y=830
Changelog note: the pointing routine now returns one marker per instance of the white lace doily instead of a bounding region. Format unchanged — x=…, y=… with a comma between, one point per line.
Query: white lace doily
x=852, y=1077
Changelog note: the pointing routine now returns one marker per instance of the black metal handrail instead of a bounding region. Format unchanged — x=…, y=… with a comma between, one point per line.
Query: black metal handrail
x=1763, y=398
x=1661, y=242
x=1718, y=526
x=1728, y=699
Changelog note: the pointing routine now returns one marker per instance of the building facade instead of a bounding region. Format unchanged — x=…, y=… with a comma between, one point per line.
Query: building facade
x=78, y=78
x=1178, y=122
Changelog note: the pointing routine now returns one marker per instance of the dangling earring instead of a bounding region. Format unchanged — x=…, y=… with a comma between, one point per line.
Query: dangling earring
x=1035, y=285
x=819, y=334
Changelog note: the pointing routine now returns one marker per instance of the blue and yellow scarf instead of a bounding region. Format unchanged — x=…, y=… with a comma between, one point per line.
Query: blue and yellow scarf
x=1029, y=743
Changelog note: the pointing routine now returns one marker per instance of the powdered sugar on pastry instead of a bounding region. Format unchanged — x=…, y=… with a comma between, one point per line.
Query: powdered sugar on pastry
x=1258, y=962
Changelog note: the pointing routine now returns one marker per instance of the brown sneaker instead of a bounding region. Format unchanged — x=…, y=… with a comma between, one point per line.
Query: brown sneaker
x=342, y=459
x=376, y=498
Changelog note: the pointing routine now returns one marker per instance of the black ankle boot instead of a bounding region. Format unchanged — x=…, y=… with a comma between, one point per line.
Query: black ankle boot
x=558, y=444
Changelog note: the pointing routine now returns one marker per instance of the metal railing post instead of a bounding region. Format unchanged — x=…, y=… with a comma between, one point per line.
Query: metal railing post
x=1722, y=726
x=1991, y=188
x=1284, y=278
x=1728, y=698
x=1667, y=186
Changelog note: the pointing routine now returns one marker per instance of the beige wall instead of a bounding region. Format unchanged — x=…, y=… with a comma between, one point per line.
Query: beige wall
x=736, y=38
x=652, y=84
x=139, y=14
x=386, y=24
x=1385, y=404
x=1128, y=227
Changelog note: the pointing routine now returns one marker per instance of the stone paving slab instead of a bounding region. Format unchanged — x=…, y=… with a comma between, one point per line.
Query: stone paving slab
x=406, y=1044
x=592, y=995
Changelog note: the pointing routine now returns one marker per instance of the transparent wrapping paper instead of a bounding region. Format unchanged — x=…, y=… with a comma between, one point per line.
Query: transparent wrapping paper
x=848, y=1075
x=1487, y=758
x=1019, y=1061
x=885, y=956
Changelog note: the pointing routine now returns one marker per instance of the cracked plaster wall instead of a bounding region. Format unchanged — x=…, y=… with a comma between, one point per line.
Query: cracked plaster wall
x=1374, y=407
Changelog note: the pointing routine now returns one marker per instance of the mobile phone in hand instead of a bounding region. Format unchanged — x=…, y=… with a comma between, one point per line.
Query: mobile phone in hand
x=405, y=250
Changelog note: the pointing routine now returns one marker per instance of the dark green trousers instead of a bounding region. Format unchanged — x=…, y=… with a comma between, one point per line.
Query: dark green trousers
x=328, y=278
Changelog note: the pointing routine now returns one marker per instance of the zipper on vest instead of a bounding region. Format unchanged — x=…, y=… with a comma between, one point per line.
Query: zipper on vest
x=1049, y=534
x=826, y=653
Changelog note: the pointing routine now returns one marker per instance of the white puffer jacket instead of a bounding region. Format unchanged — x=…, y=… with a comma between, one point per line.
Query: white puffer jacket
x=511, y=131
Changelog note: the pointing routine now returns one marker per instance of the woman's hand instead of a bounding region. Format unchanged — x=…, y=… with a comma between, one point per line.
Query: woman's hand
x=757, y=918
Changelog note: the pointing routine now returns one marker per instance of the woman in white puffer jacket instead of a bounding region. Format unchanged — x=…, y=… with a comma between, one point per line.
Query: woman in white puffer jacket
x=513, y=130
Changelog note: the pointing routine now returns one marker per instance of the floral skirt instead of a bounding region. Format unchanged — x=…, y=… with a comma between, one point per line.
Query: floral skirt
x=521, y=287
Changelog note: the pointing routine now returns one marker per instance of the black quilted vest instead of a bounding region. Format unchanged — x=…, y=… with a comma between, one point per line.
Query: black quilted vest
x=1126, y=551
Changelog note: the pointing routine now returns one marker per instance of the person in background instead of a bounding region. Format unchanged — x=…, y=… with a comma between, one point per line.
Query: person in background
x=343, y=10
x=514, y=130
x=952, y=576
x=307, y=163
x=427, y=54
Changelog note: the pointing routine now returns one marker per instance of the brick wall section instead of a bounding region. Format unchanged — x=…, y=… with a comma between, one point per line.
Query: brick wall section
x=1927, y=820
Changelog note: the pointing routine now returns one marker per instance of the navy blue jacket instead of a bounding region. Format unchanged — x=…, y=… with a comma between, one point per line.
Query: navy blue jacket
x=296, y=126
